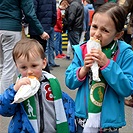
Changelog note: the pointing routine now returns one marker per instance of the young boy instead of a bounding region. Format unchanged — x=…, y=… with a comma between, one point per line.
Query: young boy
x=43, y=112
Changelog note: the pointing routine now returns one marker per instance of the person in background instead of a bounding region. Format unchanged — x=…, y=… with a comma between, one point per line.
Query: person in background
x=69, y=50
x=99, y=105
x=50, y=50
x=86, y=27
x=58, y=30
x=90, y=13
x=128, y=6
x=10, y=33
x=98, y=3
x=46, y=106
x=46, y=14
x=50, y=42
x=73, y=21
x=129, y=102
x=127, y=37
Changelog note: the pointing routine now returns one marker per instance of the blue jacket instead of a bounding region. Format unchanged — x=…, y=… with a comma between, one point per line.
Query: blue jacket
x=86, y=15
x=119, y=76
x=46, y=14
x=20, y=122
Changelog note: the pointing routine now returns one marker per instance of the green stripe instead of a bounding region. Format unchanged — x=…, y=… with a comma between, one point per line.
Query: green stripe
x=62, y=128
x=55, y=87
x=56, y=90
x=30, y=103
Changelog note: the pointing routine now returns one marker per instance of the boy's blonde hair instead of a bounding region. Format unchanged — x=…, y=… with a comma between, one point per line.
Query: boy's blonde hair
x=25, y=47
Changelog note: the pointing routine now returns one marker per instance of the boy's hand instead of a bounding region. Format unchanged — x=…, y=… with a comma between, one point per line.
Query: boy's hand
x=20, y=82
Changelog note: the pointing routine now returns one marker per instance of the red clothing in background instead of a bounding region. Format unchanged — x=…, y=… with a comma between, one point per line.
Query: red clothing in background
x=58, y=27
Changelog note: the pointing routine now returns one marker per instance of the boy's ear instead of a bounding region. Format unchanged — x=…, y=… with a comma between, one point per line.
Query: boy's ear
x=44, y=62
x=16, y=64
x=119, y=35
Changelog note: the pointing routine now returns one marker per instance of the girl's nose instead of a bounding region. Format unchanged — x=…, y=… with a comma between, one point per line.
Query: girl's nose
x=97, y=34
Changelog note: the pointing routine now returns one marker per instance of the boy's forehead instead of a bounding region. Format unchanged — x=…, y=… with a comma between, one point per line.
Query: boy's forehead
x=31, y=56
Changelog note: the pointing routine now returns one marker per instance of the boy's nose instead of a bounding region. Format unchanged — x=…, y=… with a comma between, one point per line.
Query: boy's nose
x=29, y=71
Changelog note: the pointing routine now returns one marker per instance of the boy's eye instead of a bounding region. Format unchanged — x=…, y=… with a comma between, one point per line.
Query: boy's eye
x=34, y=65
x=23, y=67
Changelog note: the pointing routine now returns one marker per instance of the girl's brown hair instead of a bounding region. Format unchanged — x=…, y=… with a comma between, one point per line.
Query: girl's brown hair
x=116, y=13
x=25, y=47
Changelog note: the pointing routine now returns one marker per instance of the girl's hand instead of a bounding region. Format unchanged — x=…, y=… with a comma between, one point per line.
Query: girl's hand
x=99, y=56
x=88, y=61
x=20, y=82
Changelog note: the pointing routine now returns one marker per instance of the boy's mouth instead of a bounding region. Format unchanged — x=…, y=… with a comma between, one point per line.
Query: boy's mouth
x=32, y=77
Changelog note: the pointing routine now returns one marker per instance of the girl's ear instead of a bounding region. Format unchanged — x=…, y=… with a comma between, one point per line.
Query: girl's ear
x=118, y=35
x=44, y=62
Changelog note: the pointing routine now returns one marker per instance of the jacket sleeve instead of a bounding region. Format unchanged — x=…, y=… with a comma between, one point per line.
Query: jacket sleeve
x=120, y=77
x=6, y=108
x=36, y=5
x=59, y=19
x=71, y=15
x=65, y=21
x=29, y=12
x=72, y=81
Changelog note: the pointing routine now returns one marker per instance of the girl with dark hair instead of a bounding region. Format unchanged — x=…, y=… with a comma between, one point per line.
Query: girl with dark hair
x=99, y=105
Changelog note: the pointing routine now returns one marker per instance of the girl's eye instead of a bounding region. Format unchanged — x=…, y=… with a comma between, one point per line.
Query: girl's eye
x=94, y=26
x=105, y=30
